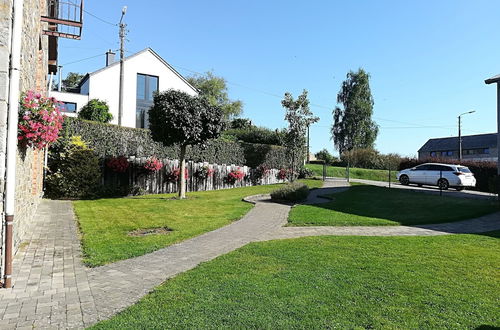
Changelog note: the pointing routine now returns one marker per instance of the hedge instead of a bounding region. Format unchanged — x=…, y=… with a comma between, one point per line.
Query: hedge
x=484, y=172
x=109, y=140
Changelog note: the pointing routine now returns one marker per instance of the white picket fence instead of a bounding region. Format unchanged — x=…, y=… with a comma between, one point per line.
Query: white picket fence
x=158, y=183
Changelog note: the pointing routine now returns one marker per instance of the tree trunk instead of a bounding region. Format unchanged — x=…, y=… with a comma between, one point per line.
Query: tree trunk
x=182, y=171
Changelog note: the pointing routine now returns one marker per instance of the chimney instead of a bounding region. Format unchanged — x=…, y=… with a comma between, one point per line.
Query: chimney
x=110, y=57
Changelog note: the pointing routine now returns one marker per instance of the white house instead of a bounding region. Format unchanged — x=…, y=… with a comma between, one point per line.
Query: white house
x=144, y=73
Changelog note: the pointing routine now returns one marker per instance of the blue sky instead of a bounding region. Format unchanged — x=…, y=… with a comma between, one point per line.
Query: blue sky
x=427, y=59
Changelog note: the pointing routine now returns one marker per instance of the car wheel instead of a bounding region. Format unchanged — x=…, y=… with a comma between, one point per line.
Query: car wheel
x=404, y=180
x=443, y=184
x=459, y=188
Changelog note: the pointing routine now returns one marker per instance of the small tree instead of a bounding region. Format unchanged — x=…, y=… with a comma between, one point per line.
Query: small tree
x=179, y=118
x=96, y=110
x=214, y=89
x=299, y=117
x=324, y=155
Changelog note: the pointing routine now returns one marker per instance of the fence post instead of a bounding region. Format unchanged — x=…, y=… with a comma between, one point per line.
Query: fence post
x=324, y=170
x=389, y=177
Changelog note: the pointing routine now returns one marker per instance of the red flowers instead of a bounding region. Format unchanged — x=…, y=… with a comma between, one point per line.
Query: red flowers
x=173, y=176
x=282, y=174
x=153, y=164
x=204, y=172
x=39, y=120
x=235, y=175
x=118, y=164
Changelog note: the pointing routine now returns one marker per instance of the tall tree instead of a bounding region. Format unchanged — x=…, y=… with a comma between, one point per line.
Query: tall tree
x=299, y=117
x=179, y=118
x=214, y=89
x=353, y=126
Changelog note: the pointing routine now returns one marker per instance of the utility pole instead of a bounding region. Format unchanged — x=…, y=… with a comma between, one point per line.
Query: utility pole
x=308, y=152
x=59, y=85
x=460, y=133
x=123, y=33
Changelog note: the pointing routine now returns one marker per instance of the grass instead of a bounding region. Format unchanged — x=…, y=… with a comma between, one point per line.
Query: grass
x=332, y=282
x=364, y=205
x=105, y=223
x=355, y=173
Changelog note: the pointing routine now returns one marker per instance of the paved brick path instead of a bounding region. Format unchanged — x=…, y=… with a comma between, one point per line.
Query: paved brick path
x=52, y=289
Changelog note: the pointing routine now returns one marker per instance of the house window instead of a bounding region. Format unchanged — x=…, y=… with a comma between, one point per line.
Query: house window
x=147, y=85
x=486, y=151
x=69, y=107
x=449, y=153
x=433, y=154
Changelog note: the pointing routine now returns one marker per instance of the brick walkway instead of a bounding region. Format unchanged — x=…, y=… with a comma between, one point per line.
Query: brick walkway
x=52, y=289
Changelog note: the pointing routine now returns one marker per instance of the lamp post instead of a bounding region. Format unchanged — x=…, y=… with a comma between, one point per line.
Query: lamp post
x=460, y=133
x=496, y=80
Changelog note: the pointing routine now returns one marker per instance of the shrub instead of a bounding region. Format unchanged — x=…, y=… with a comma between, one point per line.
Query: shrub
x=305, y=173
x=39, y=120
x=73, y=170
x=254, y=134
x=325, y=156
x=371, y=159
x=112, y=140
x=96, y=110
x=292, y=192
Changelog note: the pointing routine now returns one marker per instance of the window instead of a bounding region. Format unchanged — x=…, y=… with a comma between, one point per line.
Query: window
x=449, y=153
x=486, y=151
x=422, y=168
x=146, y=87
x=69, y=107
x=433, y=154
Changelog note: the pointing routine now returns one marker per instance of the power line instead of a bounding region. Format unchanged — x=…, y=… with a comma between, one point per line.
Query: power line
x=100, y=19
x=83, y=59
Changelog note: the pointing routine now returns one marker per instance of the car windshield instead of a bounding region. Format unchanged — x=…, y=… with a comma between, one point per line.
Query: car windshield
x=464, y=169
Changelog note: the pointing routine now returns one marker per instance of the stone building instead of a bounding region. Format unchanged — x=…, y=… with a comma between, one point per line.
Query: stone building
x=38, y=59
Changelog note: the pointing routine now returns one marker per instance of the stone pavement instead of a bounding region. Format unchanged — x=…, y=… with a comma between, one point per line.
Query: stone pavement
x=52, y=288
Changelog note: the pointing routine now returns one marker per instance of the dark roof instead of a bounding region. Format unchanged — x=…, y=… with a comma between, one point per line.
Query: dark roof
x=493, y=79
x=468, y=142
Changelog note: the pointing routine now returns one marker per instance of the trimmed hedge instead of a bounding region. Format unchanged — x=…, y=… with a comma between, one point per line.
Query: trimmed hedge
x=291, y=192
x=484, y=172
x=109, y=140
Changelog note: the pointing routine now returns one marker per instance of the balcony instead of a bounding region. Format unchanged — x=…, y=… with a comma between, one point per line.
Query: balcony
x=65, y=18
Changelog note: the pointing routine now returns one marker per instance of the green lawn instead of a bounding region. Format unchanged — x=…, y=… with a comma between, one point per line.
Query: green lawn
x=355, y=173
x=105, y=223
x=364, y=205
x=445, y=282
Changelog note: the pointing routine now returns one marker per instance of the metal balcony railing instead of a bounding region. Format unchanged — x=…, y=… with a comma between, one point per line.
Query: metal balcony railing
x=65, y=18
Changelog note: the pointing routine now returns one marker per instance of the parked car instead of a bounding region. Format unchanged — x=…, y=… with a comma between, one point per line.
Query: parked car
x=441, y=175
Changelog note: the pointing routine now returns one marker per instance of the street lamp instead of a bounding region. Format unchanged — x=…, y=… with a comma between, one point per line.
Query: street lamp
x=460, y=133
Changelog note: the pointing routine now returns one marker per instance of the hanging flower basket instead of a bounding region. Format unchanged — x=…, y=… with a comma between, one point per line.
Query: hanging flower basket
x=153, y=164
x=173, y=176
x=39, y=120
x=234, y=176
x=118, y=164
x=204, y=173
x=282, y=174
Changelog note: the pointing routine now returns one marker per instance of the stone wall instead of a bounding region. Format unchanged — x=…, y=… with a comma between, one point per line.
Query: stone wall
x=29, y=169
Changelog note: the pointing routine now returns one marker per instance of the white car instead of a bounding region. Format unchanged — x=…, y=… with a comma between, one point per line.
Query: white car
x=441, y=175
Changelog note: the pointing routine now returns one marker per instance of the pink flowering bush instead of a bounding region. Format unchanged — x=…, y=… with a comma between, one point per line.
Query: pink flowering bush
x=118, y=164
x=235, y=175
x=39, y=120
x=153, y=164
